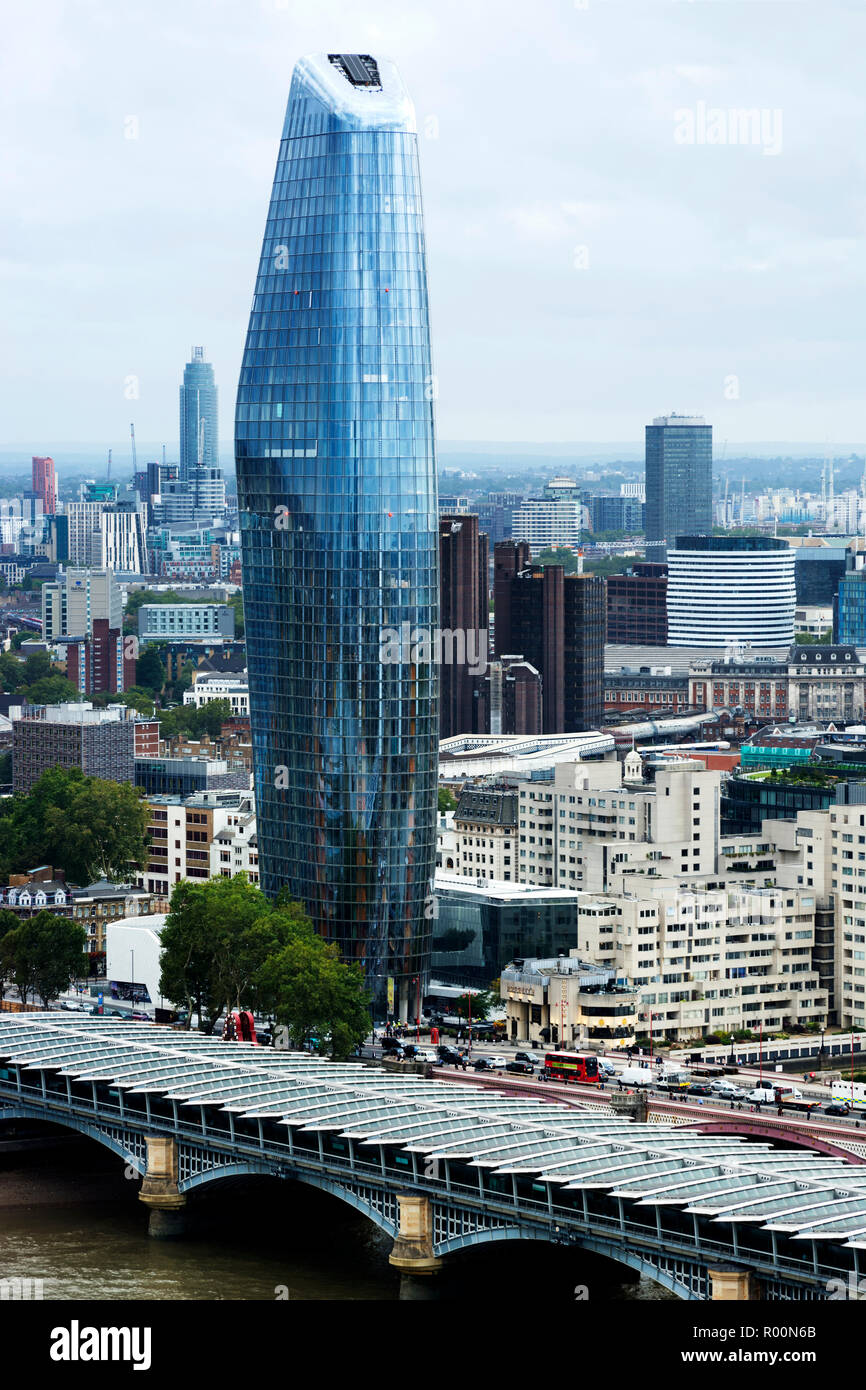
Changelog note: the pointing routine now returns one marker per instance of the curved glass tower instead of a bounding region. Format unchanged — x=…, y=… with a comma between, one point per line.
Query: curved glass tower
x=337, y=492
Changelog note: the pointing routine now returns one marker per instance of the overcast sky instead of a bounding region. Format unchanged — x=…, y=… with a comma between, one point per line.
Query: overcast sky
x=593, y=259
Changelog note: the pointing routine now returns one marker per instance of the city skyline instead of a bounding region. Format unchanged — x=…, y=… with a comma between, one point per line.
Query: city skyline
x=598, y=259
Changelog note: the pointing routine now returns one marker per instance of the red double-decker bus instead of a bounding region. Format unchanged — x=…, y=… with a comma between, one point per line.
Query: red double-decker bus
x=570, y=1066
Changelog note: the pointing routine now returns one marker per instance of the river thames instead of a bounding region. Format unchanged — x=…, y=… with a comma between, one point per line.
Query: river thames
x=71, y=1218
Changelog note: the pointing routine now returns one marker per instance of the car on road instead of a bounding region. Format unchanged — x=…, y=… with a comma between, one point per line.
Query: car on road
x=525, y=1067
x=699, y=1088
x=490, y=1064
x=606, y=1069
x=724, y=1087
x=837, y=1107
x=449, y=1056
x=525, y=1057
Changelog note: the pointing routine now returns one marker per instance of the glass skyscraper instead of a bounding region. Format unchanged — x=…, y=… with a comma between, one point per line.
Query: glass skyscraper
x=337, y=492
x=199, y=435
x=679, y=481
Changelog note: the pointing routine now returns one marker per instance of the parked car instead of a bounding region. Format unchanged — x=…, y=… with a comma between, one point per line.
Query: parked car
x=524, y=1067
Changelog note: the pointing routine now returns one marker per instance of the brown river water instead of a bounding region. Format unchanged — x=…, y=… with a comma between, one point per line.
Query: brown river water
x=69, y=1218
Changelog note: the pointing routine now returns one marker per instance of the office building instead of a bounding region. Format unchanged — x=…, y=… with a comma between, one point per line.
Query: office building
x=482, y=924
x=849, y=603
x=199, y=429
x=616, y=513
x=817, y=571
x=76, y=599
x=637, y=606
x=99, y=741
x=557, y=623
x=45, y=484
x=159, y=621
x=679, y=481
x=219, y=685
x=552, y=520
x=463, y=609
x=339, y=523
x=730, y=589
x=568, y=1001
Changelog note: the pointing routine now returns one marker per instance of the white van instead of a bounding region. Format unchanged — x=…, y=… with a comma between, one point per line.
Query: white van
x=635, y=1076
x=764, y=1092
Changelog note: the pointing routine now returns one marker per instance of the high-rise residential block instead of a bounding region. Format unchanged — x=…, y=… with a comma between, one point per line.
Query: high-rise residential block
x=679, y=481
x=45, y=483
x=199, y=429
x=337, y=495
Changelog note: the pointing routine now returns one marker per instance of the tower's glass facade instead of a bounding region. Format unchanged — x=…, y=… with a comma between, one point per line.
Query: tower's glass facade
x=337, y=492
x=679, y=481
x=199, y=436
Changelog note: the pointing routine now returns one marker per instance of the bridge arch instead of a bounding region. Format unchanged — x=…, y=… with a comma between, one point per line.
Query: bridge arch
x=379, y=1208
x=676, y=1276
x=109, y=1136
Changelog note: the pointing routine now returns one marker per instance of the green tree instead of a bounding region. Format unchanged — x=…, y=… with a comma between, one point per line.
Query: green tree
x=52, y=690
x=447, y=800
x=559, y=555
x=477, y=1006
x=216, y=937
x=315, y=994
x=42, y=954
x=150, y=672
x=237, y=603
x=87, y=826
x=8, y=923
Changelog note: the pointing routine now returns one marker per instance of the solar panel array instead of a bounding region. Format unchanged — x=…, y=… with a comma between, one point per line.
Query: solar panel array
x=722, y=1177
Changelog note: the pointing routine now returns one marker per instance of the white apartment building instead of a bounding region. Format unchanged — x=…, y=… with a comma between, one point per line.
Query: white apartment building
x=848, y=884
x=577, y=831
x=548, y=522
x=206, y=835
x=708, y=960
x=213, y=685
x=105, y=535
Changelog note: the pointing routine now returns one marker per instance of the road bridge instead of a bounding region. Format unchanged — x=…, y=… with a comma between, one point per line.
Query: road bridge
x=440, y=1167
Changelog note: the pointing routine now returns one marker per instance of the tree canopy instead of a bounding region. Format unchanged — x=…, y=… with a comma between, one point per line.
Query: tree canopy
x=225, y=946
x=89, y=827
x=42, y=954
x=187, y=719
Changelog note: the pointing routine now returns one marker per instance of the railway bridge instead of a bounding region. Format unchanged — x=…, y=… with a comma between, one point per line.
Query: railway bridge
x=441, y=1167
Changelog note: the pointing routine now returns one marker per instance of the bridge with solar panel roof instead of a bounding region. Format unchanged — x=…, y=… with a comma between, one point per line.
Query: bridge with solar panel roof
x=441, y=1166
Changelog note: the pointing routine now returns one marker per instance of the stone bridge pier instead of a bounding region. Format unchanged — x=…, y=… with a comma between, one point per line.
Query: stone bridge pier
x=413, y=1248
x=159, y=1190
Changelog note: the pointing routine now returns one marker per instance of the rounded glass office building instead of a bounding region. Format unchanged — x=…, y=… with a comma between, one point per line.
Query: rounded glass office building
x=730, y=589
x=337, y=492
